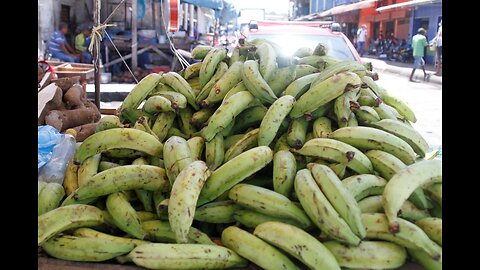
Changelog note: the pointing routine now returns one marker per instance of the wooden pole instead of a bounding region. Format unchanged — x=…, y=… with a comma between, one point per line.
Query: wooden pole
x=96, y=55
x=134, y=35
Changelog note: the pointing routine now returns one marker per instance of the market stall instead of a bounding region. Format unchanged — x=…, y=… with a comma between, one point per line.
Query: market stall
x=231, y=164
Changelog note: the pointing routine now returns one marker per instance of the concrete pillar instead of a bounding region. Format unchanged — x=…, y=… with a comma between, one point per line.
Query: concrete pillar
x=185, y=16
x=191, y=18
x=201, y=21
x=134, y=34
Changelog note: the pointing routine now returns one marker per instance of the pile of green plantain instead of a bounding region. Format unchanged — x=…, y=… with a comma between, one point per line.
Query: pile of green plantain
x=292, y=162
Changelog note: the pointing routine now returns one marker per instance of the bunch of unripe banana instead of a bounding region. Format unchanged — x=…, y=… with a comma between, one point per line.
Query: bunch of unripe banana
x=284, y=162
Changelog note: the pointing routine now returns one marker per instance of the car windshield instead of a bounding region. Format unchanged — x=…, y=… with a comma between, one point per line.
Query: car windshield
x=337, y=47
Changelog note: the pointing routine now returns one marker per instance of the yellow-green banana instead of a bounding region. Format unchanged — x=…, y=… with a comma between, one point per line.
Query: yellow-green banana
x=248, y=118
x=160, y=231
x=184, y=256
x=298, y=244
x=255, y=249
x=252, y=219
x=65, y=218
x=88, y=169
x=108, y=122
x=322, y=127
x=339, y=152
x=282, y=78
x=200, y=118
x=237, y=88
x=267, y=58
x=432, y=227
x=184, y=121
x=214, y=152
x=200, y=51
x=273, y=118
x=156, y=104
x=404, y=182
x=196, y=145
x=234, y=171
x=320, y=210
x=363, y=185
x=374, y=139
x=304, y=70
x=255, y=83
x=232, y=77
x=267, y=202
x=177, y=100
x=284, y=169
x=336, y=68
x=205, y=90
x=85, y=249
x=41, y=186
x=180, y=85
x=49, y=197
x=435, y=192
x=385, y=112
x=124, y=215
x=410, y=237
x=324, y=92
x=227, y=111
x=140, y=92
x=422, y=258
x=118, y=138
x=297, y=132
x=102, y=166
x=209, y=64
x=247, y=142
x=343, y=104
x=70, y=181
x=374, y=204
x=183, y=198
x=300, y=85
x=177, y=156
x=91, y=233
x=368, y=255
x=366, y=115
x=340, y=198
x=121, y=178
x=162, y=125
x=217, y=212
x=404, y=132
x=192, y=71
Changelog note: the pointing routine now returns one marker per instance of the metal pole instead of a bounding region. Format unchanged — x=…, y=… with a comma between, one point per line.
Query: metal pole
x=96, y=55
x=134, y=35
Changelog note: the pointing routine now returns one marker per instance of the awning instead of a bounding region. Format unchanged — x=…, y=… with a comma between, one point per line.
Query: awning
x=212, y=4
x=408, y=4
x=349, y=7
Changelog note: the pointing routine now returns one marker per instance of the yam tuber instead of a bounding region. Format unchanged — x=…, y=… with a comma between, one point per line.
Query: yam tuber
x=74, y=97
x=61, y=120
x=54, y=104
x=84, y=131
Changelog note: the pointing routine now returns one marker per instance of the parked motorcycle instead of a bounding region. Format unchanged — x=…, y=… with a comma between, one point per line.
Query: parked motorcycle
x=405, y=54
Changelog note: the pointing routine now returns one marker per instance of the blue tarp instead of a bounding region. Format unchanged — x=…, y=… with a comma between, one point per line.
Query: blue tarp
x=212, y=4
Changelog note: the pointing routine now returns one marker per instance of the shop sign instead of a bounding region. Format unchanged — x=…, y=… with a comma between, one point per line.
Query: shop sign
x=398, y=14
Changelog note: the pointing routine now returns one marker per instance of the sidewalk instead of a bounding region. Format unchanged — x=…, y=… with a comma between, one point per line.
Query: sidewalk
x=403, y=69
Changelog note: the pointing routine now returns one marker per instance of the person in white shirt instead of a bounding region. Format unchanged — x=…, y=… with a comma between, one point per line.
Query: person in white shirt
x=437, y=41
x=361, y=37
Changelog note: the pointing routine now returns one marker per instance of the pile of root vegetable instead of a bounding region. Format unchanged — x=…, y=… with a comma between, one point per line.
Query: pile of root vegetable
x=299, y=162
x=69, y=108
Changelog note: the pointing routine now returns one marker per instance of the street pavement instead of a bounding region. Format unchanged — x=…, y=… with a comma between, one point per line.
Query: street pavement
x=403, y=69
x=425, y=100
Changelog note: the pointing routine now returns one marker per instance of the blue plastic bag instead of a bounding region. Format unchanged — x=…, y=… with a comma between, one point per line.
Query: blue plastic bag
x=48, y=137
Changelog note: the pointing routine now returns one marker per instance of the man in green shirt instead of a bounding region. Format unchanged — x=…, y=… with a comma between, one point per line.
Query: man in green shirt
x=82, y=40
x=419, y=42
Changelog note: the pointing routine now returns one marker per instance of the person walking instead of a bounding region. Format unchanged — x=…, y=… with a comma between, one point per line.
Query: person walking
x=419, y=42
x=361, y=37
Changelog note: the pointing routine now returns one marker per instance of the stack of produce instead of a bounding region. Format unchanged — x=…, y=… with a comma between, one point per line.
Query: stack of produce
x=69, y=108
x=308, y=165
